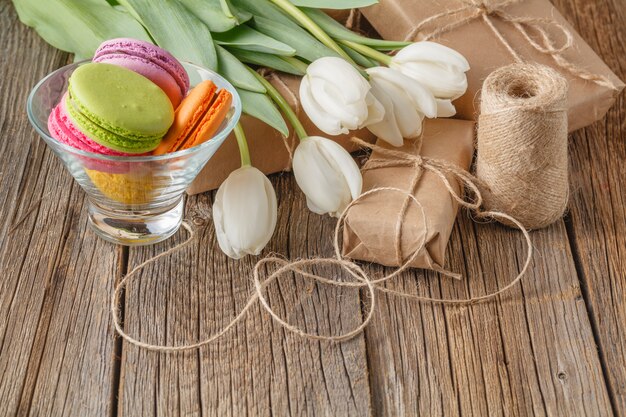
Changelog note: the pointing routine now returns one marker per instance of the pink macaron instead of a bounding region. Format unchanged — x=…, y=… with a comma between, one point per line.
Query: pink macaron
x=63, y=129
x=149, y=60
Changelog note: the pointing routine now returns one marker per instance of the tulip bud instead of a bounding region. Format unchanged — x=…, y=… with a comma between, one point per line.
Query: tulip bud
x=327, y=175
x=245, y=212
x=406, y=102
x=439, y=68
x=335, y=96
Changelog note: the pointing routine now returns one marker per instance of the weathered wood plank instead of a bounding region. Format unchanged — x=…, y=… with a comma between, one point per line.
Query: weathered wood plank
x=533, y=356
x=56, y=350
x=597, y=218
x=531, y=353
x=259, y=369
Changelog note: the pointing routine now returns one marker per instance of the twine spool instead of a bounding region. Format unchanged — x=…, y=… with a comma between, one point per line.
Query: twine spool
x=522, y=143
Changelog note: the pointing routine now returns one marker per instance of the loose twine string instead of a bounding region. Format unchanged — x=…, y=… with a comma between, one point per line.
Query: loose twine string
x=490, y=10
x=360, y=279
x=354, y=20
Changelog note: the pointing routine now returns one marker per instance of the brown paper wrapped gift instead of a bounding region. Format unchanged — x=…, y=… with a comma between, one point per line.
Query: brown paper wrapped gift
x=473, y=28
x=269, y=150
x=370, y=226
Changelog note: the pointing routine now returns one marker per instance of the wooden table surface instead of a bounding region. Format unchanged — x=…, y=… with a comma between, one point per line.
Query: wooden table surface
x=556, y=345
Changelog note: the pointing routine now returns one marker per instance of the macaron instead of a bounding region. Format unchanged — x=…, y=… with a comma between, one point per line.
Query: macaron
x=118, y=108
x=197, y=119
x=65, y=131
x=135, y=187
x=149, y=60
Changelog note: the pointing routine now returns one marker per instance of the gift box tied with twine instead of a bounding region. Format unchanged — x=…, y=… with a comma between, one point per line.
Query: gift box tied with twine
x=495, y=33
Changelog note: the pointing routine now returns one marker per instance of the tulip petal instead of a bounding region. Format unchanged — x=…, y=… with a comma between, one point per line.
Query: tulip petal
x=326, y=122
x=375, y=110
x=218, y=220
x=441, y=82
x=386, y=129
x=346, y=164
x=445, y=108
x=342, y=75
x=409, y=119
x=330, y=99
x=426, y=51
x=422, y=98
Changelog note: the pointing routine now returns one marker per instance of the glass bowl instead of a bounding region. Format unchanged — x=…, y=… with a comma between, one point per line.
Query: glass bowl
x=136, y=200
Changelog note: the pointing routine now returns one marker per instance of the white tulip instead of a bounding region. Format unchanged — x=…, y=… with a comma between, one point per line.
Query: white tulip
x=406, y=103
x=439, y=68
x=245, y=212
x=335, y=96
x=327, y=175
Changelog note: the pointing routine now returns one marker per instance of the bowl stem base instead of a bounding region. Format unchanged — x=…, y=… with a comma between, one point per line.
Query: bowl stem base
x=131, y=228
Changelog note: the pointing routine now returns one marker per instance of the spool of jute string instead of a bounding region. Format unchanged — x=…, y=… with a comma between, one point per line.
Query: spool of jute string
x=522, y=143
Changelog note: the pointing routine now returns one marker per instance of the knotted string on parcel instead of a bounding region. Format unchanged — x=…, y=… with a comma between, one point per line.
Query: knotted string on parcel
x=496, y=10
x=359, y=278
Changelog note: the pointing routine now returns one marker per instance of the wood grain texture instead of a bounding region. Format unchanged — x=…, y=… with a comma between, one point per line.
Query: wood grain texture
x=56, y=349
x=555, y=346
x=597, y=218
x=530, y=353
x=258, y=369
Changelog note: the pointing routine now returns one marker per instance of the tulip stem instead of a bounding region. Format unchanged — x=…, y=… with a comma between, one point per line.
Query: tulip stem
x=243, y=145
x=369, y=52
x=312, y=27
x=300, y=65
x=282, y=104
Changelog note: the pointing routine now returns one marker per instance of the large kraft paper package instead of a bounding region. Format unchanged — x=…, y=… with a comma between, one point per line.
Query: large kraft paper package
x=269, y=151
x=587, y=101
x=370, y=225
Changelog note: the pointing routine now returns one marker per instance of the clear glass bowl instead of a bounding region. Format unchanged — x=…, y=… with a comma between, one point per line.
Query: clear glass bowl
x=134, y=200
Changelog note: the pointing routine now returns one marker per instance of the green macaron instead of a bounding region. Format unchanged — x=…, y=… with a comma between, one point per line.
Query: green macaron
x=118, y=108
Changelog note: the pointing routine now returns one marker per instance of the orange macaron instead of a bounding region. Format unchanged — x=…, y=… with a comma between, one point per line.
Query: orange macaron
x=197, y=118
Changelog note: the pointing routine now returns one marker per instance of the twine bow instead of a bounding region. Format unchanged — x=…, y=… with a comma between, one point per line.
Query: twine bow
x=491, y=10
x=359, y=278
x=397, y=159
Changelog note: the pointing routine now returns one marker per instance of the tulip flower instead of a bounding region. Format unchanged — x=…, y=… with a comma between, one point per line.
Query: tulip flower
x=245, y=208
x=406, y=102
x=327, y=175
x=439, y=68
x=335, y=96
x=245, y=212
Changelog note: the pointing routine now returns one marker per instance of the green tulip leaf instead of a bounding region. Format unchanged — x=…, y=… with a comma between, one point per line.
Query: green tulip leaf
x=244, y=37
x=262, y=107
x=358, y=58
x=175, y=28
x=234, y=71
x=78, y=26
x=266, y=9
x=270, y=61
x=305, y=44
x=218, y=15
x=334, y=4
x=338, y=31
